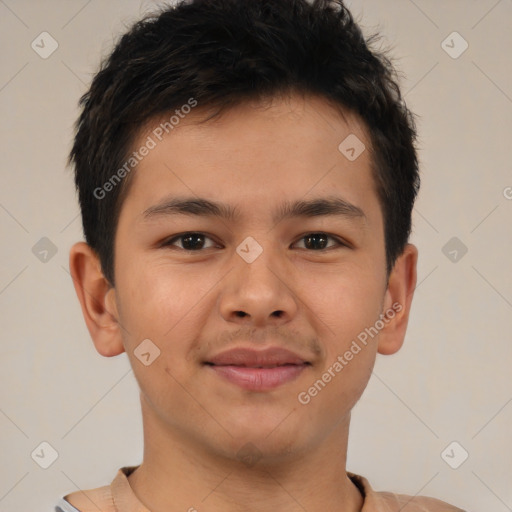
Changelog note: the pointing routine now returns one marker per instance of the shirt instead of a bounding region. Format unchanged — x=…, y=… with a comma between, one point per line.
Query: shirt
x=119, y=497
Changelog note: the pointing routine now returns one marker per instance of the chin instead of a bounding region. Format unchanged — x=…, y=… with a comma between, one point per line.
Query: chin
x=267, y=441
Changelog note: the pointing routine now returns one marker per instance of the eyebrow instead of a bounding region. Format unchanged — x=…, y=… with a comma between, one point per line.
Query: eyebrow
x=328, y=206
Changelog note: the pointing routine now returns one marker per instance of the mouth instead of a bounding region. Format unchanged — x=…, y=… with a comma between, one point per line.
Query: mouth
x=258, y=370
x=260, y=366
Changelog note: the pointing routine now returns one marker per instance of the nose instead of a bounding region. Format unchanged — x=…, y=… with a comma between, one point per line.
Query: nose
x=258, y=294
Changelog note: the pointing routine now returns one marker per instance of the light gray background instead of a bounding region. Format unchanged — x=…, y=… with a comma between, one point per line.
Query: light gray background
x=450, y=382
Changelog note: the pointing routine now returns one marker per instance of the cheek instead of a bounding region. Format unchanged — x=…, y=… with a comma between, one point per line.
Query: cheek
x=154, y=297
x=166, y=305
x=158, y=305
x=346, y=302
x=350, y=346
x=351, y=355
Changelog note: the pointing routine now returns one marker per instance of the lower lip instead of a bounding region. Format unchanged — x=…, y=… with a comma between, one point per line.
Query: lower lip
x=259, y=379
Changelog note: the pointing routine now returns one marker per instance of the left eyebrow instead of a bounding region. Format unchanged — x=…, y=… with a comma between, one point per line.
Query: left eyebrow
x=329, y=206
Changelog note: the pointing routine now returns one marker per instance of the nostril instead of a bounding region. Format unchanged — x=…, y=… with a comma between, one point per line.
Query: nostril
x=241, y=314
x=278, y=313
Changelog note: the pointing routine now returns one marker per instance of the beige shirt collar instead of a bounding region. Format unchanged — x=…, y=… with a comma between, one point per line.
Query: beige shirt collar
x=119, y=497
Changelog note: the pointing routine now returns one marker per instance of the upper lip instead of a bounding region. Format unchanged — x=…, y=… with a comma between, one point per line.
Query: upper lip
x=249, y=357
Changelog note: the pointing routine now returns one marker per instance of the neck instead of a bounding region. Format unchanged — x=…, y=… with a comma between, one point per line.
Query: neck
x=178, y=474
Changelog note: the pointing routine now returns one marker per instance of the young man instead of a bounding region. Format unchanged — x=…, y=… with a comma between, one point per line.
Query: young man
x=246, y=173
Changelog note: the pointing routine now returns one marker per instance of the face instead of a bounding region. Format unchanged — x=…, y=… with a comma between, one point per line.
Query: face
x=291, y=256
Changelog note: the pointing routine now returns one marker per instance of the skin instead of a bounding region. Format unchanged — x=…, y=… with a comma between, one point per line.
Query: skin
x=187, y=303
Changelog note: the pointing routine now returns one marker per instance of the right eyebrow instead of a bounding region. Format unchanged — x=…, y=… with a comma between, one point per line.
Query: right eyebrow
x=190, y=206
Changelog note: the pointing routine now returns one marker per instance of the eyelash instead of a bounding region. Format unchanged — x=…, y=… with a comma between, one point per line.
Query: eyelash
x=170, y=241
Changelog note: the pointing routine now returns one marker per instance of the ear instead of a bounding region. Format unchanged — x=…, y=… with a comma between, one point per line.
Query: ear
x=97, y=298
x=397, y=300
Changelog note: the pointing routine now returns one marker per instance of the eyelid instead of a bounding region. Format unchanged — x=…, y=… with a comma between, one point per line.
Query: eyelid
x=169, y=241
x=339, y=241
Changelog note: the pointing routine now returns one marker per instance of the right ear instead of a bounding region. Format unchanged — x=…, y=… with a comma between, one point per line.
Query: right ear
x=97, y=298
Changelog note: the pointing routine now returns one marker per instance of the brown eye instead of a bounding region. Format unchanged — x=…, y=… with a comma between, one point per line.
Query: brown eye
x=319, y=241
x=190, y=241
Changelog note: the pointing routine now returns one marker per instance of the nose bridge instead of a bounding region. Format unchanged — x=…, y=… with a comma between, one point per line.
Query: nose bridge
x=262, y=271
x=257, y=290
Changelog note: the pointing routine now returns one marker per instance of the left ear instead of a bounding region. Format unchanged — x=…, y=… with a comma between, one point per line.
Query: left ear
x=397, y=301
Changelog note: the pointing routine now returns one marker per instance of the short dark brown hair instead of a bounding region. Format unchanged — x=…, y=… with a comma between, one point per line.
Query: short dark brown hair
x=223, y=53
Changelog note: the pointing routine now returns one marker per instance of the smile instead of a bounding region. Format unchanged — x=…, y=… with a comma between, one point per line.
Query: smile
x=260, y=378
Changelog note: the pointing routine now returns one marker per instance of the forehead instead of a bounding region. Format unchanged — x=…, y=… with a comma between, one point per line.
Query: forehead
x=262, y=150
x=288, y=114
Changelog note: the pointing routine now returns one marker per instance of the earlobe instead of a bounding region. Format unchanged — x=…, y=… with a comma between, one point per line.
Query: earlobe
x=397, y=301
x=97, y=300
